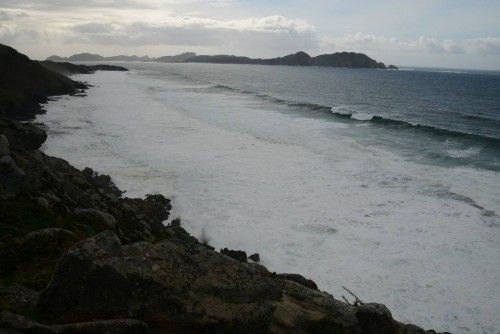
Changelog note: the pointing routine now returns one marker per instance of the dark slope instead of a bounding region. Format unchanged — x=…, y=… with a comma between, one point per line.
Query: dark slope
x=346, y=59
x=25, y=83
x=69, y=68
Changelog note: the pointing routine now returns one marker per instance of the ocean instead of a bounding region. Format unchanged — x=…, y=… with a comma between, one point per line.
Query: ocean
x=385, y=182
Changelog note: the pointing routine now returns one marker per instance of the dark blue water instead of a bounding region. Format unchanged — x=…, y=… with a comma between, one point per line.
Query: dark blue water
x=433, y=116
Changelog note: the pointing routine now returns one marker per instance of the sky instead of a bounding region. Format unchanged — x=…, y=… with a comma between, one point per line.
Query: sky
x=429, y=33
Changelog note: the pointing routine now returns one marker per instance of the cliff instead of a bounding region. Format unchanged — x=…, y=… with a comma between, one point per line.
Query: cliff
x=69, y=68
x=76, y=256
x=25, y=84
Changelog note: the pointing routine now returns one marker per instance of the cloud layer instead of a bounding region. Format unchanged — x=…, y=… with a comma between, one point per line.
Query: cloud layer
x=361, y=41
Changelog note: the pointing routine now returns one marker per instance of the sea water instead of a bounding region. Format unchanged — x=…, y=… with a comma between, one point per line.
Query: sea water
x=385, y=182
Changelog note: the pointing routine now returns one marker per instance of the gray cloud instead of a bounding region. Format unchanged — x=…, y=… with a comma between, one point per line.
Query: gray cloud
x=12, y=33
x=64, y=4
x=360, y=41
x=11, y=15
x=244, y=35
x=93, y=28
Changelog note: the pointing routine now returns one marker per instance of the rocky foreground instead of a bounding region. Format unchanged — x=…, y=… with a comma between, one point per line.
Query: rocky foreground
x=76, y=256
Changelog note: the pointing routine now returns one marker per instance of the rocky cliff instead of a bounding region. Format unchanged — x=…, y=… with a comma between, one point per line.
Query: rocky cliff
x=25, y=84
x=69, y=68
x=76, y=256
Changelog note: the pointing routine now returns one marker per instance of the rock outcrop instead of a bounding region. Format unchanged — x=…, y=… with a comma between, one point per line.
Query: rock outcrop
x=46, y=205
x=178, y=285
x=14, y=323
x=25, y=83
x=69, y=68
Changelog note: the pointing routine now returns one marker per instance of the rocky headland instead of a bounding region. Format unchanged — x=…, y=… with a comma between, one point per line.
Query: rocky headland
x=69, y=68
x=77, y=256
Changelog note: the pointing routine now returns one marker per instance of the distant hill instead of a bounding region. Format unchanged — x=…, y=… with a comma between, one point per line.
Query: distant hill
x=83, y=57
x=25, y=83
x=347, y=59
x=96, y=57
x=338, y=59
x=175, y=59
x=221, y=59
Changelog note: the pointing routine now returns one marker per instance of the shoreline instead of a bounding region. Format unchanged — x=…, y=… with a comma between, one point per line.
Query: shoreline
x=154, y=277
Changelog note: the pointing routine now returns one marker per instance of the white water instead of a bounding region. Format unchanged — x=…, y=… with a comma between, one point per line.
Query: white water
x=308, y=199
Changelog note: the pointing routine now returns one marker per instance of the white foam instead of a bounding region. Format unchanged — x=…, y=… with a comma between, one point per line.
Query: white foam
x=362, y=116
x=465, y=153
x=307, y=198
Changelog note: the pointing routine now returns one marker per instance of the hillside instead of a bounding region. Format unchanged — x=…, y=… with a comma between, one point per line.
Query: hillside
x=25, y=84
x=69, y=68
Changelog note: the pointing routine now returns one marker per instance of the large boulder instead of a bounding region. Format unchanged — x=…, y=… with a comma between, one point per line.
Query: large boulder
x=17, y=298
x=171, y=285
x=299, y=279
x=31, y=258
x=178, y=285
x=97, y=219
x=22, y=136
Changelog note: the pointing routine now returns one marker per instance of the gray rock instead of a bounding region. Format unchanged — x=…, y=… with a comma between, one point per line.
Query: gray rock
x=49, y=196
x=40, y=237
x=95, y=197
x=255, y=257
x=235, y=254
x=22, y=136
x=167, y=284
x=31, y=258
x=15, y=322
x=4, y=145
x=375, y=318
x=98, y=219
x=114, y=326
x=42, y=202
x=21, y=324
x=17, y=298
x=178, y=285
x=12, y=178
x=300, y=280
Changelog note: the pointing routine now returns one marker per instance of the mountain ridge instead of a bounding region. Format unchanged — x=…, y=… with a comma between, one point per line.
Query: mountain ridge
x=301, y=58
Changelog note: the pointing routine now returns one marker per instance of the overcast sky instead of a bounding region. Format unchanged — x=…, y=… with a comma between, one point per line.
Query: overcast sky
x=446, y=33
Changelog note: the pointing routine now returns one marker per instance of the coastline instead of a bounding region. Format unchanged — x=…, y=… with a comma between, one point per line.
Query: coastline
x=163, y=278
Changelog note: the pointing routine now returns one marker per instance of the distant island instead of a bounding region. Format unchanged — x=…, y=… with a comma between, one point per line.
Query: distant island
x=338, y=59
